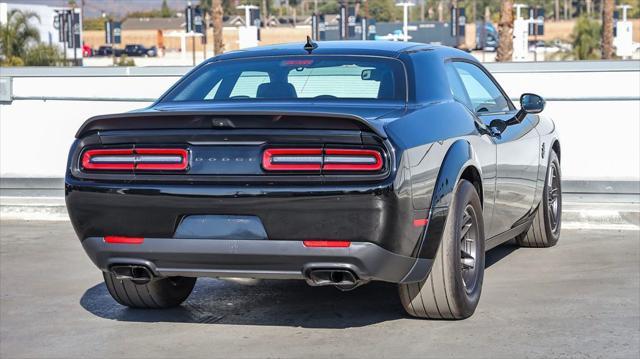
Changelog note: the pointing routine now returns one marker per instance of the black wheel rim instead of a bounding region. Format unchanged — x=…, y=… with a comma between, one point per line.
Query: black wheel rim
x=469, y=242
x=553, y=198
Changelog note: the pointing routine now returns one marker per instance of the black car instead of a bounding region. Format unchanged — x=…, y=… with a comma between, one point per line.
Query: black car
x=139, y=50
x=108, y=50
x=339, y=164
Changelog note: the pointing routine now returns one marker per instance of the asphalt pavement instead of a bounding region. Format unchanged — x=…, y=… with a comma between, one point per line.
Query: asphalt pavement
x=578, y=299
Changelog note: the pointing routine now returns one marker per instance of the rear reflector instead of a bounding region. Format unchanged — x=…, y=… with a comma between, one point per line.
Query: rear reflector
x=316, y=159
x=123, y=240
x=144, y=159
x=327, y=244
x=420, y=222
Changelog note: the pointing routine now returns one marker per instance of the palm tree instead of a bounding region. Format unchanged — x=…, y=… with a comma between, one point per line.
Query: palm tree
x=586, y=38
x=18, y=33
x=505, y=29
x=607, y=29
x=216, y=15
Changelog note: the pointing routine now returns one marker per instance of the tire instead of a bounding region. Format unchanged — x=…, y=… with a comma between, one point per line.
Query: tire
x=155, y=294
x=452, y=289
x=545, y=228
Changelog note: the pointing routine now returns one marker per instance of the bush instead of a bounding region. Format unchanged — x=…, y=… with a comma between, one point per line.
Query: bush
x=125, y=61
x=42, y=55
x=11, y=61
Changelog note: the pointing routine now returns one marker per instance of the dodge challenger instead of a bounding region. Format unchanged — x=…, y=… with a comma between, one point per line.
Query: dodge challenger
x=337, y=163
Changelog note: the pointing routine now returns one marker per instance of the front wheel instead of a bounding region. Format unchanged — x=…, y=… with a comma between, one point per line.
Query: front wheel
x=452, y=289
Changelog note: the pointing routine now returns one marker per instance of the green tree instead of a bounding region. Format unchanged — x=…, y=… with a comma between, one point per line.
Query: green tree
x=17, y=34
x=164, y=10
x=329, y=7
x=19, y=42
x=383, y=10
x=586, y=39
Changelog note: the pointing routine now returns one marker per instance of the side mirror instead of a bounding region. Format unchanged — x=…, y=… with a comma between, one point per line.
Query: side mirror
x=531, y=103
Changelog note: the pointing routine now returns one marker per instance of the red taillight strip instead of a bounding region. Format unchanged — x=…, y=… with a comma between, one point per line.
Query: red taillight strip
x=291, y=155
x=123, y=240
x=316, y=159
x=352, y=160
x=327, y=244
x=180, y=166
x=88, y=155
x=158, y=159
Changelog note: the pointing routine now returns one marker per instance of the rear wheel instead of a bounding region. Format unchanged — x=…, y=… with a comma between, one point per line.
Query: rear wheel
x=157, y=293
x=452, y=289
x=545, y=229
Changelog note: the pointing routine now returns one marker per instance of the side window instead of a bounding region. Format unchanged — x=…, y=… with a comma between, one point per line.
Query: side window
x=483, y=93
x=457, y=88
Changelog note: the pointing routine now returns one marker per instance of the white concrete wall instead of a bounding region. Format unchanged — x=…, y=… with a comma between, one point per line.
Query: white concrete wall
x=600, y=139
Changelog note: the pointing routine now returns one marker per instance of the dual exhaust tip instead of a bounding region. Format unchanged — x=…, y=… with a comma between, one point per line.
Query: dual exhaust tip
x=136, y=273
x=343, y=279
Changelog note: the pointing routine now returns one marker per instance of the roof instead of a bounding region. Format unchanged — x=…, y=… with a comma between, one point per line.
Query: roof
x=351, y=47
x=355, y=47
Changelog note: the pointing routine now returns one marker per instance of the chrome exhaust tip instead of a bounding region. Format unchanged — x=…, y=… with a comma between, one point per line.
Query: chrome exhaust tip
x=343, y=279
x=136, y=273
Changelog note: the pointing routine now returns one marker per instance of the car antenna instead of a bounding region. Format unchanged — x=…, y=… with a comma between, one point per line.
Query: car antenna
x=310, y=45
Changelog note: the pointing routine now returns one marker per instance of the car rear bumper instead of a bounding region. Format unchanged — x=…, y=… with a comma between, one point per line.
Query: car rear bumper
x=374, y=213
x=272, y=259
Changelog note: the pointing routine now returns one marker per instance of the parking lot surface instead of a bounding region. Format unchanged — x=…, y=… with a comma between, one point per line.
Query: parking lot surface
x=578, y=299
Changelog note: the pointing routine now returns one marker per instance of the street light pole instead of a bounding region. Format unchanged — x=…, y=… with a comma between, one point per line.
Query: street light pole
x=405, y=19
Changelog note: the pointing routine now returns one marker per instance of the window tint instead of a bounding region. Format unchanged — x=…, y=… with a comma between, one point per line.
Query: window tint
x=483, y=93
x=457, y=89
x=341, y=82
x=309, y=77
x=247, y=84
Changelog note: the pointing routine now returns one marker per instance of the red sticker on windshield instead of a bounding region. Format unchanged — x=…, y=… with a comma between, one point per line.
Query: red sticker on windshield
x=297, y=62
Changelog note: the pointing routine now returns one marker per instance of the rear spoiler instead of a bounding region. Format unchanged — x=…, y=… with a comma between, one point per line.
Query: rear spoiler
x=228, y=119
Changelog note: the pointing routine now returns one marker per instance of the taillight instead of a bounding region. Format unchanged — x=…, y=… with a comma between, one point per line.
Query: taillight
x=316, y=159
x=144, y=159
x=351, y=160
x=292, y=159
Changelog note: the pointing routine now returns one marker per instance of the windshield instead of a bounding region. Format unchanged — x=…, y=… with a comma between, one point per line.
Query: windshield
x=294, y=77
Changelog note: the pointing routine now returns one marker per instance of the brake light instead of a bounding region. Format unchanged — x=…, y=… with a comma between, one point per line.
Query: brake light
x=144, y=159
x=316, y=159
x=292, y=159
x=327, y=244
x=351, y=160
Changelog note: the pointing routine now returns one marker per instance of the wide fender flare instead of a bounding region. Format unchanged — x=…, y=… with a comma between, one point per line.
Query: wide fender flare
x=459, y=157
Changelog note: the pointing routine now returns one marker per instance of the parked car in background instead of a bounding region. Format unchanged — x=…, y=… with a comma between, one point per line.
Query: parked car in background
x=139, y=50
x=87, y=51
x=487, y=38
x=108, y=50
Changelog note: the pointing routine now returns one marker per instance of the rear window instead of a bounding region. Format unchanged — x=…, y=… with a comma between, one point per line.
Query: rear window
x=298, y=77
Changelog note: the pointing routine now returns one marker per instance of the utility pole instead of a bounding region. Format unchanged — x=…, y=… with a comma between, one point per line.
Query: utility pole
x=405, y=19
